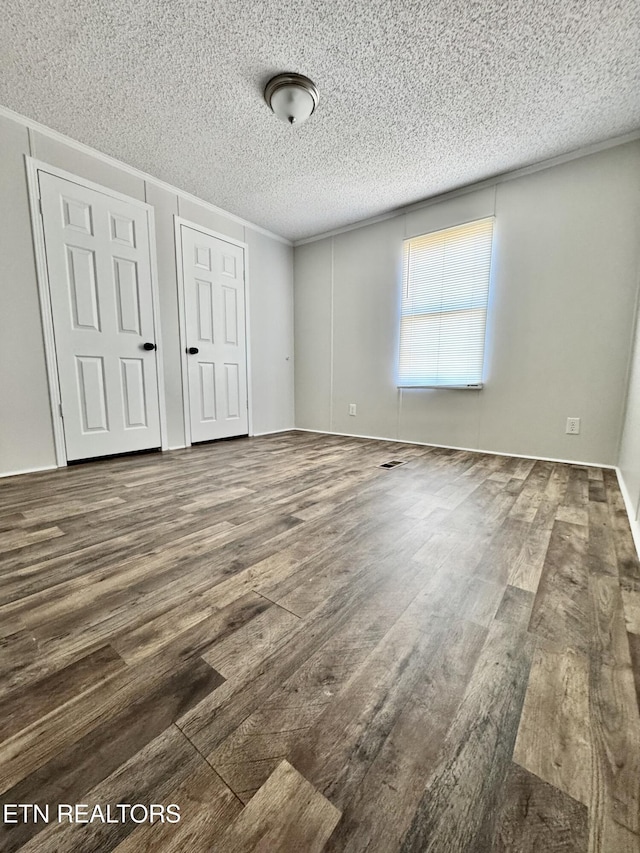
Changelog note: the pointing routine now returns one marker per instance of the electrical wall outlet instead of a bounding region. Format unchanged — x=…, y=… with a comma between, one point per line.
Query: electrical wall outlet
x=352, y=408
x=573, y=426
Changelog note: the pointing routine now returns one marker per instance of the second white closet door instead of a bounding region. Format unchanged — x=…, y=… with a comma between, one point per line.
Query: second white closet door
x=213, y=273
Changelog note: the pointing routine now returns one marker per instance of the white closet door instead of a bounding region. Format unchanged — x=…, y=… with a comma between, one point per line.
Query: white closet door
x=100, y=282
x=213, y=273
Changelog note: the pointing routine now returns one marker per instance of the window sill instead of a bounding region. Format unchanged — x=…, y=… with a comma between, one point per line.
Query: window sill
x=477, y=386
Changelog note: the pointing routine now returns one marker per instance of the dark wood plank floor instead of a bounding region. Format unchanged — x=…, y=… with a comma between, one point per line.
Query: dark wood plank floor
x=307, y=652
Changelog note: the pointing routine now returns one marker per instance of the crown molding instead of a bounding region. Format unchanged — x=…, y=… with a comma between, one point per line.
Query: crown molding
x=494, y=180
x=138, y=173
x=500, y=178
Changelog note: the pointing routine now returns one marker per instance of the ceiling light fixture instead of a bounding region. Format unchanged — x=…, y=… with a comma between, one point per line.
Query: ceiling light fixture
x=292, y=97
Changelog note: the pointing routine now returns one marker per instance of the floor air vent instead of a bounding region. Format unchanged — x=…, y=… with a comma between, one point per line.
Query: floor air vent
x=393, y=464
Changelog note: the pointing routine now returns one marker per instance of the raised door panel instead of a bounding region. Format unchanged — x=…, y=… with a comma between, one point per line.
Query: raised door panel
x=91, y=392
x=232, y=390
x=77, y=215
x=134, y=393
x=205, y=324
x=82, y=288
x=231, y=324
x=202, y=257
x=207, y=377
x=123, y=230
x=125, y=274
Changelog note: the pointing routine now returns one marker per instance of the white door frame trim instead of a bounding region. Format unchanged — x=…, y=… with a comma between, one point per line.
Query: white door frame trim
x=33, y=167
x=178, y=222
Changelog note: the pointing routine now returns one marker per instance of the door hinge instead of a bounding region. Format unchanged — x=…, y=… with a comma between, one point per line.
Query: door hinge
x=40, y=206
x=60, y=410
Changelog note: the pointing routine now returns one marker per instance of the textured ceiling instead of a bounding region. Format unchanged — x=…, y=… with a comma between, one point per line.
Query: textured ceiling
x=416, y=96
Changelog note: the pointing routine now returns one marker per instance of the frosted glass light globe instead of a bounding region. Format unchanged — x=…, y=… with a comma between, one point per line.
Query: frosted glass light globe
x=292, y=97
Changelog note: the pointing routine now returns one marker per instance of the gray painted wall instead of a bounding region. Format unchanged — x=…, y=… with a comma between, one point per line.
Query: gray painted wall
x=26, y=431
x=26, y=436
x=564, y=284
x=271, y=327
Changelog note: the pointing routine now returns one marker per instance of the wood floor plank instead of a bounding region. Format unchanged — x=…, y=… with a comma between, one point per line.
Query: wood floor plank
x=615, y=722
x=580, y=727
x=22, y=707
x=207, y=807
x=17, y=651
x=21, y=538
x=119, y=620
x=44, y=607
x=561, y=609
x=286, y=814
x=634, y=650
x=50, y=736
x=531, y=494
x=463, y=792
x=502, y=551
x=574, y=515
x=92, y=548
x=526, y=569
x=152, y=635
x=78, y=766
x=515, y=606
x=554, y=736
x=318, y=581
x=149, y=776
x=379, y=689
x=578, y=484
x=627, y=556
x=484, y=599
x=631, y=603
x=534, y=816
x=66, y=509
x=615, y=837
x=246, y=759
x=395, y=780
x=375, y=602
x=241, y=652
x=601, y=552
x=191, y=631
x=318, y=542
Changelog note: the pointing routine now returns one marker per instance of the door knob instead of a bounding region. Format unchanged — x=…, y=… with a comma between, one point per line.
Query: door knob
x=193, y=350
x=149, y=346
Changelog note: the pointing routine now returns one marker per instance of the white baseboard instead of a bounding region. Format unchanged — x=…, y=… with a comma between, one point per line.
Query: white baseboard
x=631, y=511
x=253, y=435
x=273, y=431
x=467, y=449
x=28, y=471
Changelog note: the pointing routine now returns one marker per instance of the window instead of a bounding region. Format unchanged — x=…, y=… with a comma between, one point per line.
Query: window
x=445, y=288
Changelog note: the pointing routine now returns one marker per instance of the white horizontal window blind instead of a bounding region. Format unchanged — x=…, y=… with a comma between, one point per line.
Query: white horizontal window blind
x=444, y=306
